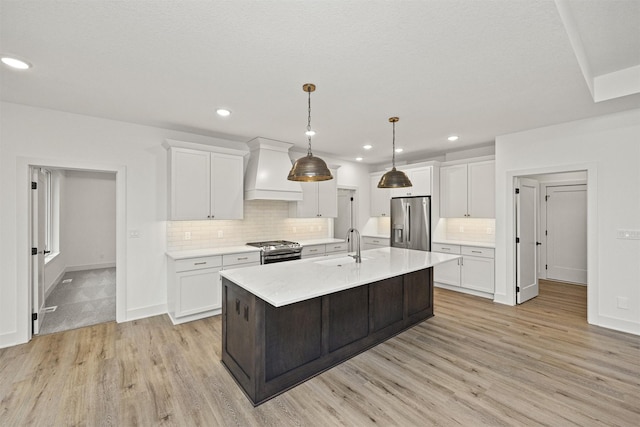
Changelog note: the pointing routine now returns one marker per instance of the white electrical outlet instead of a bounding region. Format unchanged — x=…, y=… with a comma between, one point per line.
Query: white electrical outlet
x=462, y=229
x=295, y=230
x=187, y=235
x=220, y=234
x=135, y=234
x=488, y=230
x=623, y=303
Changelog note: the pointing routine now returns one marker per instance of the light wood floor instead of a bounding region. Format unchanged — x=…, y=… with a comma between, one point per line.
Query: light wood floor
x=475, y=363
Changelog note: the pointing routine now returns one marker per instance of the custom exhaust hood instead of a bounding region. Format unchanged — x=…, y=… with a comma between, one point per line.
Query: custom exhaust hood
x=266, y=174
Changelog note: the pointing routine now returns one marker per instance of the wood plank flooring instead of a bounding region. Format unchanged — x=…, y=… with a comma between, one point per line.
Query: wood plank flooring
x=475, y=363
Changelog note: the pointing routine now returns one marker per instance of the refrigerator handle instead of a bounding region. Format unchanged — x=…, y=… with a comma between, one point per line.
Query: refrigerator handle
x=408, y=227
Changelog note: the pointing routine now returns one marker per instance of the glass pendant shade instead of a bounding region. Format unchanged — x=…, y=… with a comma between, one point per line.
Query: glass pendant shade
x=394, y=178
x=309, y=168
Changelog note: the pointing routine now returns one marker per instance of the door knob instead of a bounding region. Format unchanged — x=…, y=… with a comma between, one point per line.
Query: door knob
x=538, y=243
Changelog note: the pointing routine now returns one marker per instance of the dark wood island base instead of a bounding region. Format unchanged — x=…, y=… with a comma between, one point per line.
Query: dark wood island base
x=269, y=350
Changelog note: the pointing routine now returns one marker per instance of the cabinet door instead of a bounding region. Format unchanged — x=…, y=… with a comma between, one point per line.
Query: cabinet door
x=453, y=191
x=447, y=273
x=482, y=189
x=198, y=291
x=421, y=180
x=477, y=274
x=379, y=197
x=328, y=197
x=308, y=206
x=190, y=190
x=227, y=189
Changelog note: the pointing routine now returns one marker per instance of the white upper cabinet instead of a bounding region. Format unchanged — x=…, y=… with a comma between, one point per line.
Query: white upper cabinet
x=379, y=198
x=421, y=180
x=468, y=190
x=319, y=200
x=205, y=185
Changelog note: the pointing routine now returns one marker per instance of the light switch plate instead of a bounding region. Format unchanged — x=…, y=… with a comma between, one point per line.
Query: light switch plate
x=628, y=234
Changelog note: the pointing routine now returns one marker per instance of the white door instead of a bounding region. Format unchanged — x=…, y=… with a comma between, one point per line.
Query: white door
x=38, y=221
x=526, y=253
x=346, y=213
x=567, y=233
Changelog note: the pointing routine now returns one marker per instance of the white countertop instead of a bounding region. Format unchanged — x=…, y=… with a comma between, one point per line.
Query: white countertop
x=293, y=281
x=195, y=253
x=378, y=236
x=466, y=243
x=319, y=241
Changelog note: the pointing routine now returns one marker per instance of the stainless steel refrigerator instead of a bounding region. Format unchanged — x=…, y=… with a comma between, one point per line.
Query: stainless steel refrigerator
x=411, y=222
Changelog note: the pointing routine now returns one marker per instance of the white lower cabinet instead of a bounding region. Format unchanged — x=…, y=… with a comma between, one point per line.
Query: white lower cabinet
x=473, y=273
x=310, y=251
x=374, y=242
x=194, y=285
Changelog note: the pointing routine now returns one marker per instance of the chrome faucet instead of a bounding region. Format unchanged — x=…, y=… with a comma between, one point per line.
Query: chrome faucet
x=357, y=256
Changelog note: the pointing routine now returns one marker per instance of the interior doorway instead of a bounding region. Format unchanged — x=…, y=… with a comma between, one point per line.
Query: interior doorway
x=347, y=213
x=75, y=285
x=560, y=239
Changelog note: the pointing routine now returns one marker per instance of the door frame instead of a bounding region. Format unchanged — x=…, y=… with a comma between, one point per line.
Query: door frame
x=356, y=206
x=24, y=286
x=592, y=232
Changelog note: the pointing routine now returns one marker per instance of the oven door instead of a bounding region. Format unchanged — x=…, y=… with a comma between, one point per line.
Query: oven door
x=280, y=257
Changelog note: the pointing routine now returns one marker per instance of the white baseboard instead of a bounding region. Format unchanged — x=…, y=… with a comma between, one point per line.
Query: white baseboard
x=89, y=267
x=55, y=283
x=191, y=318
x=9, y=339
x=463, y=290
x=141, y=313
x=618, y=325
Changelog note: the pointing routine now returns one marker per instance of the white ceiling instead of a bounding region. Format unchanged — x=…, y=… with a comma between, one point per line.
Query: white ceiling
x=473, y=68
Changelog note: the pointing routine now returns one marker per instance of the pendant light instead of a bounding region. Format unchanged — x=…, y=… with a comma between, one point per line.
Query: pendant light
x=309, y=168
x=394, y=178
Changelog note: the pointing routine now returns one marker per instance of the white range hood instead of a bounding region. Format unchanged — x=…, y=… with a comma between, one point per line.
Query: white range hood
x=267, y=170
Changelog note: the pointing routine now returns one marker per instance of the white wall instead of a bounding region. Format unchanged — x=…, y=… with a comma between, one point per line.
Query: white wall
x=70, y=141
x=608, y=148
x=42, y=137
x=89, y=220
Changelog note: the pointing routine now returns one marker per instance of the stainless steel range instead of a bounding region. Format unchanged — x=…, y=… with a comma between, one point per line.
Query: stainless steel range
x=278, y=251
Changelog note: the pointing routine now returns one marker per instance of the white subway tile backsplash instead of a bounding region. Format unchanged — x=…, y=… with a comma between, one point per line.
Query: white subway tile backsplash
x=263, y=220
x=470, y=229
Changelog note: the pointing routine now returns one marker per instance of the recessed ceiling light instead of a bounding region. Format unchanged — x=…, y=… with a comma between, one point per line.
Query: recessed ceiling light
x=310, y=132
x=399, y=150
x=15, y=63
x=453, y=138
x=367, y=147
x=359, y=159
x=223, y=112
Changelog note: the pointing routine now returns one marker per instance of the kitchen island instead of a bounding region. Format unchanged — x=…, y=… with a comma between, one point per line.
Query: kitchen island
x=285, y=323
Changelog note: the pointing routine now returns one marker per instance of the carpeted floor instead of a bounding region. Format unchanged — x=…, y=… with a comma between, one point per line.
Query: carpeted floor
x=89, y=298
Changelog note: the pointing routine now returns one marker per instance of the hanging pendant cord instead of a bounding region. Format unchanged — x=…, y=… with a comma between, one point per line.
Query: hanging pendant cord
x=393, y=155
x=309, y=124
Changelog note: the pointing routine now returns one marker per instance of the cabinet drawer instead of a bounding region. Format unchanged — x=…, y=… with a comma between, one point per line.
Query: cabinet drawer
x=448, y=249
x=242, y=258
x=198, y=263
x=375, y=241
x=336, y=247
x=314, y=250
x=476, y=251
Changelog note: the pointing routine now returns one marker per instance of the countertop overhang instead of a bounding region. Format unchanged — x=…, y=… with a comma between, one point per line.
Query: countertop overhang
x=289, y=282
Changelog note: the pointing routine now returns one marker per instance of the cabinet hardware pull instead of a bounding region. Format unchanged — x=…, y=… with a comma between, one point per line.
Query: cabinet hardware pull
x=199, y=263
x=445, y=249
x=246, y=313
x=237, y=306
x=243, y=258
x=477, y=252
